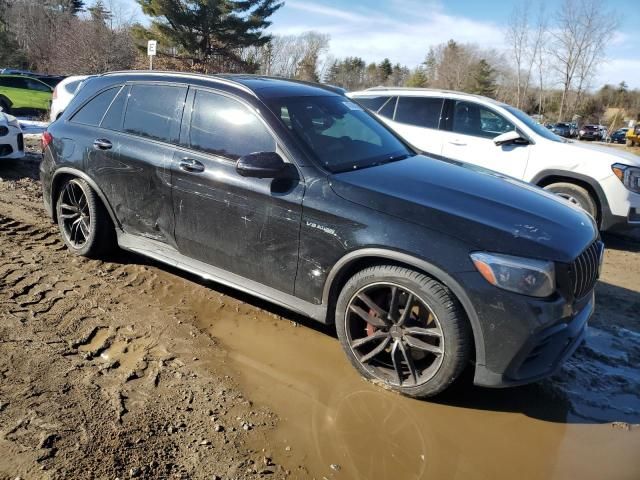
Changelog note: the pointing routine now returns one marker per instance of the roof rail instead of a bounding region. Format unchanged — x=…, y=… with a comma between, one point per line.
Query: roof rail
x=217, y=78
x=324, y=86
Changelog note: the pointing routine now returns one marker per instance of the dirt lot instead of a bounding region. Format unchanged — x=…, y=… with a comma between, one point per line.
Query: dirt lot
x=126, y=369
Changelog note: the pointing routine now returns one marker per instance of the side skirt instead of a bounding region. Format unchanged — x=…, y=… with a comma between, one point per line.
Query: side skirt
x=170, y=256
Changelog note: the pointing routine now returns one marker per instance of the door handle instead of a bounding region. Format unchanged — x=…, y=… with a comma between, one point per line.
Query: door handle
x=458, y=143
x=191, y=165
x=102, y=144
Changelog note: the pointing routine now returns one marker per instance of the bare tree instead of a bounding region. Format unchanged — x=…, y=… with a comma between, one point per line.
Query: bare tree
x=579, y=40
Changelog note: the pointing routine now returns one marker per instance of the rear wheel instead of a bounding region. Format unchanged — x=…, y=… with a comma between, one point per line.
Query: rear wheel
x=576, y=195
x=403, y=329
x=83, y=221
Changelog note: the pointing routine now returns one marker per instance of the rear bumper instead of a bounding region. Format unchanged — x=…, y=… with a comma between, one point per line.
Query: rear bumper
x=524, y=339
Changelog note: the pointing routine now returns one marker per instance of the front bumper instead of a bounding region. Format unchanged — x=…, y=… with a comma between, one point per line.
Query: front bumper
x=524, y=339
x=11, y=143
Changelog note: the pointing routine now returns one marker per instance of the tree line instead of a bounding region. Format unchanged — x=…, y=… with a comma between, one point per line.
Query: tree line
x=548, y=68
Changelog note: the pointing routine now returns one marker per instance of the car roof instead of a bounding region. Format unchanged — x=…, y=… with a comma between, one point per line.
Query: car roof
x=257, y=85
x=417, y=92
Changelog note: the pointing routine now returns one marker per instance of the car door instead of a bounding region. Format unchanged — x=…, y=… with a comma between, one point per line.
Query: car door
x=131, y=157
x=247, y=226
x=417, y=119
x=468, y=133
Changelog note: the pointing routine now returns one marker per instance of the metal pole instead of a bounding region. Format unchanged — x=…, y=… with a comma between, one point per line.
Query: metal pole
x=150, y=62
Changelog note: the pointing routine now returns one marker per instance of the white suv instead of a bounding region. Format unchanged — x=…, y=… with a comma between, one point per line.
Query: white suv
x=474, y=129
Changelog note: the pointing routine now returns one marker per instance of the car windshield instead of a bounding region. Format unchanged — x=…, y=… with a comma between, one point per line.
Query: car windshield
x=338, y=133
x=531, y=123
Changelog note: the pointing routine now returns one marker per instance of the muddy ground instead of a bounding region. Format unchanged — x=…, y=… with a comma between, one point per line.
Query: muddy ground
x=124, y=368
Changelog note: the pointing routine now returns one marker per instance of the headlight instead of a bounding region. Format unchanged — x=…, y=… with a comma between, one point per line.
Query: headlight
x=13, y=122
x=581, y=132
x=629, y=176
x=536, y=278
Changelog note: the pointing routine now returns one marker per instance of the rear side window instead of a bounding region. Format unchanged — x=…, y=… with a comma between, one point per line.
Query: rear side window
x=155, y=111
x=223, y=126
x=13, y=82
x=93, y=111
x=419, y=111
x=71, y=86
x=113, y=118
x=371, y=103
x=388, y=108
x=37, y=85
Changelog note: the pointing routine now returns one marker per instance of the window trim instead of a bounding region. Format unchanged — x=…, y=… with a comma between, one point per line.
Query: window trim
x=185, y=130
x=122, y=87
x=437, y=127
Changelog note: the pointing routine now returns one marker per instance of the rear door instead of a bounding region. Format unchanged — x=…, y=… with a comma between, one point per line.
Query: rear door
x=131, y=154
x=469, y=130
x=247, y=226
x=416, y=119
x=39, y=94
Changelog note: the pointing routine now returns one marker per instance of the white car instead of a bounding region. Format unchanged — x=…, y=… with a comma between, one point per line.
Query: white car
x=603, y=181
x=11, y=139
x=63, y=93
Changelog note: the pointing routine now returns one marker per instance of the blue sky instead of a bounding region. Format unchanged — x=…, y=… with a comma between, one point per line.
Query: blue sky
x=403, y=30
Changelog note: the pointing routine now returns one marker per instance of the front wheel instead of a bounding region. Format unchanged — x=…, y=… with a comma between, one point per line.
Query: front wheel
x=83, y=221
x=576, y=195
x=403, y=329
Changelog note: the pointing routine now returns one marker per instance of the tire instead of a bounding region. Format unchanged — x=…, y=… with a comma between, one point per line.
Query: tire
x=84, y=223
x=434, y=309
x=576, y=195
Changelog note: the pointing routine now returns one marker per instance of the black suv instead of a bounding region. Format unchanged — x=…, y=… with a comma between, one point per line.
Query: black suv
x=290, y=191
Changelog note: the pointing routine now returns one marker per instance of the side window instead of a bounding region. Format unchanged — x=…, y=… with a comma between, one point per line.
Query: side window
x=93, y=111
x=112, y=120
x=388, y=108
x=419, y=111
x=478, y=121
x=225, y=127
x=37, y=86
x=14, y=82
x=155, y=111
x=371, y=103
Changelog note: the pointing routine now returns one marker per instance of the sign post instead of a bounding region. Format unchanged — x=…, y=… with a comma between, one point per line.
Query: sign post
x=152, y=45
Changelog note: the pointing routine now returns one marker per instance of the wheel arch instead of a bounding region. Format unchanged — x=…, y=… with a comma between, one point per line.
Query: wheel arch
x=6, y=100
x=547, y=177
x=66, y=172
x=358, y=260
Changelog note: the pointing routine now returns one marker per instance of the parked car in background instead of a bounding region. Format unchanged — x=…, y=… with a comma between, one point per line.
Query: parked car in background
x=479, y=130
x=11, y=139
x=633, y=136
x=63, y=93
x=51, y=80
x=590, y=132
x=19, y=92
x=562, y=129
x=292, y=192
x=618, y=136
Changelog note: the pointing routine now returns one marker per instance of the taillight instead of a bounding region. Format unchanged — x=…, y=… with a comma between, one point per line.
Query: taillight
x=55, y=93
x=47, y=138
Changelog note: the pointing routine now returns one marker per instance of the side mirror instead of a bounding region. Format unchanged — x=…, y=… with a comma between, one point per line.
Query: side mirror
x=260, y=165
x=509, y=138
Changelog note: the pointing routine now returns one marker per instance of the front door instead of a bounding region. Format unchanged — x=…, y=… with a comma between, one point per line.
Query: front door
x=468, y=136
x=247, y=226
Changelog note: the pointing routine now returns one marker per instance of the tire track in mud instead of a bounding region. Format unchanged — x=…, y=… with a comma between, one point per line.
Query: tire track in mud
x=98, y=378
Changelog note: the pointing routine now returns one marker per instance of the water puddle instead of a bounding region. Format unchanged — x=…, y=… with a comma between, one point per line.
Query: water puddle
x=340, y=426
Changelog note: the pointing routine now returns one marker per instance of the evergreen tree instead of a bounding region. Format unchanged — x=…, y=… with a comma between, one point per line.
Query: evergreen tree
x=418, y=79
x=99, y=12
x=483, y=79
x=211, y=29
x=386, y=69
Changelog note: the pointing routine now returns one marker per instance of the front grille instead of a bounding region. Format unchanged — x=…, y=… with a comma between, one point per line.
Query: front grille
x=20, y=142
x=584, y=270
